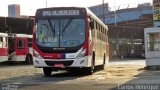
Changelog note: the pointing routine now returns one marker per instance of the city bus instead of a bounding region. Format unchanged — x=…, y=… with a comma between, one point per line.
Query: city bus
x=69, y=38
x=20, y=48
x=3, y=47
x=16, y=47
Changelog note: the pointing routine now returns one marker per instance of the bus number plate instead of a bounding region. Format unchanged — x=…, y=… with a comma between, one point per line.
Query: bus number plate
x=58, y=65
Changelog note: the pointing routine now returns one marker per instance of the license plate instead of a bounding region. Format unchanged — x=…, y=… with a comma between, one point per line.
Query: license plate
x=58, y=65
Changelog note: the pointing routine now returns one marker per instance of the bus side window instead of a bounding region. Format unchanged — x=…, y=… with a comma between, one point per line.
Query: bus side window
x=21, y=44
x=93, y=34
x=96, y=25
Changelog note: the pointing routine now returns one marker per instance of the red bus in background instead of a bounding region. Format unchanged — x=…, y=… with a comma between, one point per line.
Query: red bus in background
x=3, y=47
x=67, y=38
x=15, y=47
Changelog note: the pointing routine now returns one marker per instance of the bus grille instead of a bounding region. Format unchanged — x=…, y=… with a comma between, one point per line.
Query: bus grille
x=65, y=63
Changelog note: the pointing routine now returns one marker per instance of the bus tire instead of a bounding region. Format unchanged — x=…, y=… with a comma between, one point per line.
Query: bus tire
x=47, y=71
x=29, y=59
x=104, y=62
x=90, y=70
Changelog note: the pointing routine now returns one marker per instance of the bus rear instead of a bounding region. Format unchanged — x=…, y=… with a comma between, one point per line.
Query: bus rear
x=60, y=39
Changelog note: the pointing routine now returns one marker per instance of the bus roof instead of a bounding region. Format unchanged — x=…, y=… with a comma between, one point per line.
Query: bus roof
x=24, y=35
x=3, y=34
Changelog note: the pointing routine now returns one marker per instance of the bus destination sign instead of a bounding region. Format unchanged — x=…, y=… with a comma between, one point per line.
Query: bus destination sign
x=61, y=13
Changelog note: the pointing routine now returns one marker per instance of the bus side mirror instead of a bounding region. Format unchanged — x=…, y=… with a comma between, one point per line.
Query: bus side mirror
x=91, y=24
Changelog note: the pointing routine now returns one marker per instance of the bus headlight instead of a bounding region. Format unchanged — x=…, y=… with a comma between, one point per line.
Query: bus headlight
x=82, y=54
x=36, y=54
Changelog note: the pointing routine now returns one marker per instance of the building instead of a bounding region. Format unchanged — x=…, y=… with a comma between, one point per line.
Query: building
x=16, y=25
x=127, y=38
x=13, y=10
x=126, y=30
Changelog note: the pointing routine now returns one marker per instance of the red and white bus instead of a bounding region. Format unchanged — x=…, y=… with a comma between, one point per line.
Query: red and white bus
x=69, y=37
x=15, y=47
x=3, y=47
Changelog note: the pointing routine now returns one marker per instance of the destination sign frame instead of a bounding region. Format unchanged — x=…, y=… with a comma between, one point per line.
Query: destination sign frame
x=61, y=12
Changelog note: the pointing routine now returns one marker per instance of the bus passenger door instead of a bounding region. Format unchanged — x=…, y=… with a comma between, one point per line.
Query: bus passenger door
x=21, y=49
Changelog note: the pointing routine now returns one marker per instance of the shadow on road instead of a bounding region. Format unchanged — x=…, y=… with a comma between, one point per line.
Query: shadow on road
x=13, y=63
x=78, y=72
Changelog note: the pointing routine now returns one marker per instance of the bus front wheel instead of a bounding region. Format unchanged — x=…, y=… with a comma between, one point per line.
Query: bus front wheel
x=90, y=70
x=47, y=71
x=28, y=59
x=104, y=62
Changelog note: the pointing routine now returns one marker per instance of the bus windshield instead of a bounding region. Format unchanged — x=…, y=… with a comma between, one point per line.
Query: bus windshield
x=60, y=32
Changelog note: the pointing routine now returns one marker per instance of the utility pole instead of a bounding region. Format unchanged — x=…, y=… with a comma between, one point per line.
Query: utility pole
x=46, y=3
x=103, y=16
x=115, y=19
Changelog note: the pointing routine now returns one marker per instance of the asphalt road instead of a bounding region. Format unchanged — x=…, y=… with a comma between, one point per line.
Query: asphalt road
x=26, y=77
x=61, y=80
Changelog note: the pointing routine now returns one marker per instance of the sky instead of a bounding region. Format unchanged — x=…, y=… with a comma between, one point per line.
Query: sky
x=28, y=7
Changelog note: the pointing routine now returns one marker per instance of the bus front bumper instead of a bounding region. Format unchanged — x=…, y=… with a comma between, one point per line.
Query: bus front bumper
x=81, y=62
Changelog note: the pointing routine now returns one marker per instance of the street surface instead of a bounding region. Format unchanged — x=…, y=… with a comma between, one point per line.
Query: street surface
x=118, y=75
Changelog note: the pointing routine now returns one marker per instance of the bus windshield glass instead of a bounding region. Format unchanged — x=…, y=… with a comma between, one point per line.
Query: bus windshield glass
x=60, y=32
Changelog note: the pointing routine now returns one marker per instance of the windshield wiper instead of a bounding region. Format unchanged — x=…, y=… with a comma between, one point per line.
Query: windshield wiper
x=51, y=26
x=66, y=25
